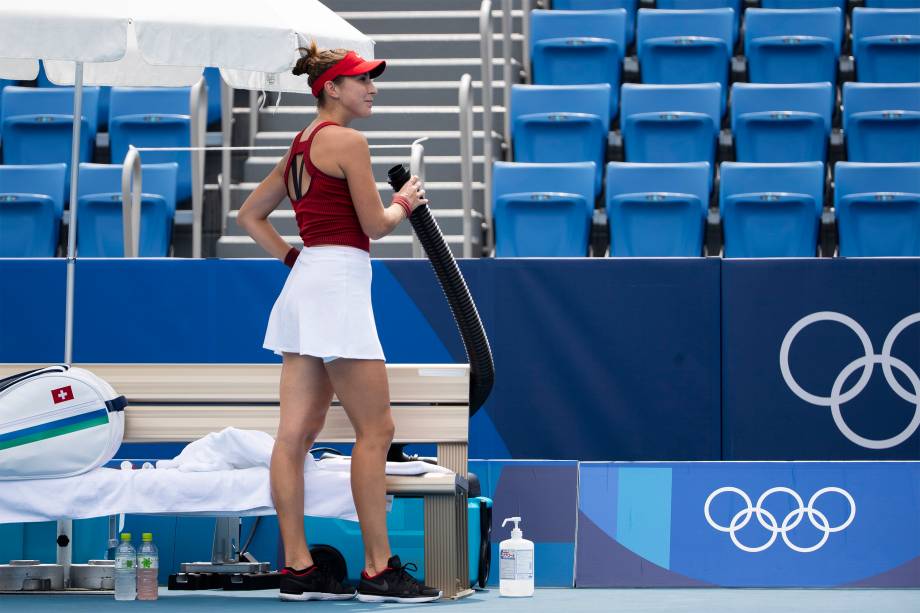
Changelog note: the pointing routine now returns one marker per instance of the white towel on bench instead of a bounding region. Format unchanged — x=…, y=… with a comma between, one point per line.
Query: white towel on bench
x=223, y=473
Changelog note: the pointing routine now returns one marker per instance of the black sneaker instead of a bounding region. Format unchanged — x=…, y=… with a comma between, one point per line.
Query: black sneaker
x=395, y=584
x=314, y=583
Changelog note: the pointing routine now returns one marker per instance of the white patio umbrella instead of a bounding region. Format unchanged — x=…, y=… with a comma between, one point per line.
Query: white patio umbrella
x=162, y=43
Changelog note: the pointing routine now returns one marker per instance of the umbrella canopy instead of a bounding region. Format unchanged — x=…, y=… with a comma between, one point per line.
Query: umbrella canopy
x=169, y=42
x=162, y=43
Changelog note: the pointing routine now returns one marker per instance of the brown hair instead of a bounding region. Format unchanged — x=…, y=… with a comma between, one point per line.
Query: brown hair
x=314, y=63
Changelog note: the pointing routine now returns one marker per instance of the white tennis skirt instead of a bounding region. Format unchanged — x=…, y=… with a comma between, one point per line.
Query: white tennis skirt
x=324, y=309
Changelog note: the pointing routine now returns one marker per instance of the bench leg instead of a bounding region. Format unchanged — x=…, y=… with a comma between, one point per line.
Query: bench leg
x=447, y=564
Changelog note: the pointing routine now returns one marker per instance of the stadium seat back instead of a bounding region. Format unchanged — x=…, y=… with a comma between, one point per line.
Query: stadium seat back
x=771, y=210
x=579, y=48
x=781, y=123
x=793, y=46
x=657, y=210
x=886, y=45
x=878, y=209
x=153, y=117
x=671, y=123
x=677, y=47
x=542, y=210
x=100, y=231
x=31, y=205
x=560, y=123
x=630, y=6
x=881, y=122
x=689, y=5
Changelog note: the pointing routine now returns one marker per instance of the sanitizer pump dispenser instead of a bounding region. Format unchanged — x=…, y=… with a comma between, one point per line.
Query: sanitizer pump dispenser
x=515, y=563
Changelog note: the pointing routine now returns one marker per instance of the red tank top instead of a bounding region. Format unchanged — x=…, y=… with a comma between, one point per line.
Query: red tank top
x=326, y=214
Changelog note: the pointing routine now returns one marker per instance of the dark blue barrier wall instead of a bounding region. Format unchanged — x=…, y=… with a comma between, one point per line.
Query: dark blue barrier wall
x=595, y=359
x=32, y=310
x=766, y=417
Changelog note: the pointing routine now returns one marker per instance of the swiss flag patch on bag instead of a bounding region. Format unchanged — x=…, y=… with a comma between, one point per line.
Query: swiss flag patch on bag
x=62, y=394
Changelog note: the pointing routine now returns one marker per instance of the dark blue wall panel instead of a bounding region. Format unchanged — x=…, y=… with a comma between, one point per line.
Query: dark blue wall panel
x=763, y=418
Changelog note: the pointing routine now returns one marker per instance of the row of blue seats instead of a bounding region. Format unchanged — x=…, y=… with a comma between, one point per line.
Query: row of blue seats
x=32, y=207
x=739, y=7
x=37, y=126
x=660, y=210
x=677, y=47
x=211, y=75
x=681, y=123
x=36, y=122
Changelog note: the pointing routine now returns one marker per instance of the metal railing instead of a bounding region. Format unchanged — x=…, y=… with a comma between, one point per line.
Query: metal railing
x=466, y=161
x=485, y=32
x=198, y=112
x=226, y=132
x=507, y=68
x=525, y=30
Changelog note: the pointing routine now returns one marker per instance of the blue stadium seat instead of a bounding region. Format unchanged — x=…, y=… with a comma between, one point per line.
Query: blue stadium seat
x=3, y=84
x=102, y=117
x=153, y=117
x=771, y=210
x=676, y=47
x=630, y=6
x=657, y=210
x=892, y=4
x=579, y=48
x=886, y=45
x=671, y=123
x=31, y=206
x=542, y=210
x=561, y=123
x=881, y=122
x=38, y=125
x=807, y=5
x=212, y=78
x=100, y=228
x=793, y=46
x=689, y=5
x=781, y=123
x=878, y=209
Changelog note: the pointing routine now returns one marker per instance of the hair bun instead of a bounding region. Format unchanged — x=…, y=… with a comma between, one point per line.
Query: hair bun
x=307, y=57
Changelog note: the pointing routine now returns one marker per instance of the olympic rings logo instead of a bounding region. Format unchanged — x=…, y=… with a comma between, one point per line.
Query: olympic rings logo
x=768, y=520
x=867, y=362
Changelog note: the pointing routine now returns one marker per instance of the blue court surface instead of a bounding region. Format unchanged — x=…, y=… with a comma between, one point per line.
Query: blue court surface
x=556, y=600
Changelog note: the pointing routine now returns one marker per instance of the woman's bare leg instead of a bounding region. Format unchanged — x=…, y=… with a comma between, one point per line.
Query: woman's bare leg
x=363, y=389
x=305, y=396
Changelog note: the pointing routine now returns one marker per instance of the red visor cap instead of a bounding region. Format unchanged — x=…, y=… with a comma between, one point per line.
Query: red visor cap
x=349, y=66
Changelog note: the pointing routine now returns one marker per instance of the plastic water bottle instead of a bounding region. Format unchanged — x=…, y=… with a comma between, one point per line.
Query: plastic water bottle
x=125, y=569
x=148, y=564
x=515, y=563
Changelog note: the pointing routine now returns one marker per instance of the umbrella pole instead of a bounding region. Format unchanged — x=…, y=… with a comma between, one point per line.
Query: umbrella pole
x=72, y=232
x=65, y=526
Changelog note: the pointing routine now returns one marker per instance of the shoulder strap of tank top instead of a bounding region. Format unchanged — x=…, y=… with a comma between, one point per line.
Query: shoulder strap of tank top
x=305, y=160
x=303, y=148
x=292, y=153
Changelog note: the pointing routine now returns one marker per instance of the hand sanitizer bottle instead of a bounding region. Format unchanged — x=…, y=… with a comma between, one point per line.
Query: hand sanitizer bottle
x=515, y=563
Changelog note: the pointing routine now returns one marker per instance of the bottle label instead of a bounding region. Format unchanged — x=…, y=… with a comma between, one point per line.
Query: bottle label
x=124, y=563
x=147, y=562
x=516, y=564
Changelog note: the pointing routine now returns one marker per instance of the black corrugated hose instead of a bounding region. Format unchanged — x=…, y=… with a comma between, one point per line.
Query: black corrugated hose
x=475, y=342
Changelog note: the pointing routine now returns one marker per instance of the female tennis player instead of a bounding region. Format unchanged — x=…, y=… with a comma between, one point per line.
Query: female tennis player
x=322, y=323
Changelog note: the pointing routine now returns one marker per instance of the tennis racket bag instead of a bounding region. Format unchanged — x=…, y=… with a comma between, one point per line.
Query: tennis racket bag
x=57, y=422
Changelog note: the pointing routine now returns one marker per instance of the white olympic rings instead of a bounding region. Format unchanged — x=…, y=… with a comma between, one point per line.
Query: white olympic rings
x=768, y=520
x=867, y=362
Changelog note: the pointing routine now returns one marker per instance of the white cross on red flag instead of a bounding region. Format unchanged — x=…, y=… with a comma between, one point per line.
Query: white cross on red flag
x=62, y=394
